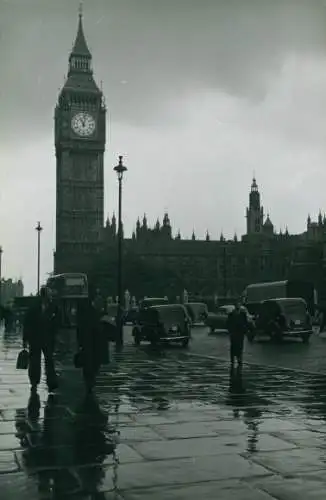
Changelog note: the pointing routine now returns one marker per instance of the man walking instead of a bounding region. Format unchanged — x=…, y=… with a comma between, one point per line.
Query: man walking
x=92, y=340
x=39, y=332
x=237, y=326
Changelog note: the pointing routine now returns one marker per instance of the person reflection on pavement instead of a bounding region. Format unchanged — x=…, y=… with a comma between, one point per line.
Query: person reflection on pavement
x=93, y=441
x=242, y=400
x=236, y=391
x=252, y=419
x=34, y=440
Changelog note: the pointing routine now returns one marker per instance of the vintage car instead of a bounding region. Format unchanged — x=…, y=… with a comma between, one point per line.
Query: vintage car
x=281, y=318
x=163, y=323
x=218, y=320
x=197, y=312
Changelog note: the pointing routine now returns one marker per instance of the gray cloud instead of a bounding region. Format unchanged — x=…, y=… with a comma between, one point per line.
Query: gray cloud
x=199, y=94
x=149, y=52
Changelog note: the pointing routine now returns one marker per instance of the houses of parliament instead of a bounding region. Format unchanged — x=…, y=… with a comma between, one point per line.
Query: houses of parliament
x=156, y=261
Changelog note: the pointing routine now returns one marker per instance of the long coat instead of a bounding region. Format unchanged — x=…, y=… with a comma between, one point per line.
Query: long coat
x=40, y=327
x=90, y=336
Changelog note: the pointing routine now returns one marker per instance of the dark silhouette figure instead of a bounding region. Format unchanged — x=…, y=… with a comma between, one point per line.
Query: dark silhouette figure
x=237, y=326
x=39, y=333
x=92, y=342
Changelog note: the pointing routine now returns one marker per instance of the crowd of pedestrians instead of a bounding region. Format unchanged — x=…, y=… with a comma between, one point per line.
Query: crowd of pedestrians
x=42, y=323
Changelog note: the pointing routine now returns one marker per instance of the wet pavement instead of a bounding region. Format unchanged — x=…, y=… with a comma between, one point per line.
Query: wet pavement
x=167, y=425
x=291, y=354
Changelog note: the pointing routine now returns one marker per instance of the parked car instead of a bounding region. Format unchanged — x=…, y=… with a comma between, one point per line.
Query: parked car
x=161, y=324
x=218, y=320
x=281, y=318
x=197, y=311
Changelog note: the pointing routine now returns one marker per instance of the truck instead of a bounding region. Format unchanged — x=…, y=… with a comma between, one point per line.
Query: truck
x=256, y=293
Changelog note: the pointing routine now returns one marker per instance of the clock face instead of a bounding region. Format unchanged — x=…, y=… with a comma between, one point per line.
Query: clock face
x=83, y=124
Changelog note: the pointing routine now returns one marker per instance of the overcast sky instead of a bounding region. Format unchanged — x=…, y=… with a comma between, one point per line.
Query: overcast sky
x=200, y=94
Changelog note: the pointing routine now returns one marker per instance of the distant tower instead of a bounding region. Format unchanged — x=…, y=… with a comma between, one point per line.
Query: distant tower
x=79, y=148
x=255, y=213
x=166, y=228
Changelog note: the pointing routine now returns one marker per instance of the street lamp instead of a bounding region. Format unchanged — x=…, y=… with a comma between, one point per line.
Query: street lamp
x=120, y=169
x=225, y=287
x=38, y=229
x=1, y=252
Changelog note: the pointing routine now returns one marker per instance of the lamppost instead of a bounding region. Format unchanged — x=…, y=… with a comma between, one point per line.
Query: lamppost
x=1, y=252
x=225, y=287
x=120, y=169
x=38, y=229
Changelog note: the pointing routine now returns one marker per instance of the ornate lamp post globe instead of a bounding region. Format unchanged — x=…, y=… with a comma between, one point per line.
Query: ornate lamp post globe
x=120, y=169
x=38, y=228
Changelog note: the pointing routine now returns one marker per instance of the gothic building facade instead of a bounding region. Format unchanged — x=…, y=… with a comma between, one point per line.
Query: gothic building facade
x=207, y=266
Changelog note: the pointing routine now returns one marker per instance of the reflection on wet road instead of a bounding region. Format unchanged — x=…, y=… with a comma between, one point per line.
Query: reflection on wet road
x=162, y=425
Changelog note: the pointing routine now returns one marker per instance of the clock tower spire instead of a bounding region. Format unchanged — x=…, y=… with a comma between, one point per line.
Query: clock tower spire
x=79, y=146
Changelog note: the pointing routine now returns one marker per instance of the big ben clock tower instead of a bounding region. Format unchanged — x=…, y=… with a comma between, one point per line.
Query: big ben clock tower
x=79, y=148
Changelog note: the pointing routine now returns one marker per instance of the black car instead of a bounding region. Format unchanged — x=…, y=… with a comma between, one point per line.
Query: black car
x=163, y=323
x=281, y=318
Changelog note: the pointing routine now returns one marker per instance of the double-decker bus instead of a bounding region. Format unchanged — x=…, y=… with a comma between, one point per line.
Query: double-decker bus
x=66, y=289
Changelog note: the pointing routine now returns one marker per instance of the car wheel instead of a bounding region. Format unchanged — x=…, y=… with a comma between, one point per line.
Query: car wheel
x=305, y=338
x=211, y=329
x=185, y=342
x=137, y=340
x=154, y=343
x=274, y=336
x=135, y=334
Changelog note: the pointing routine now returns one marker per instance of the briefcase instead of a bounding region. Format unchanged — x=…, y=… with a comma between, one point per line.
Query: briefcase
x=22, y=360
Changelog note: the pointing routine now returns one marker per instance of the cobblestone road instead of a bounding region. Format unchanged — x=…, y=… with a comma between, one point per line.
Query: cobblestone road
x=167, y=425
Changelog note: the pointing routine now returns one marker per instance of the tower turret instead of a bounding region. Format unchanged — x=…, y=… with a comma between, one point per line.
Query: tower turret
x=166, y=228
x=255, y=212
x=320, y=218
x=114, y=224
x=145, y=227
x=308, y=221
x=268, y=227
